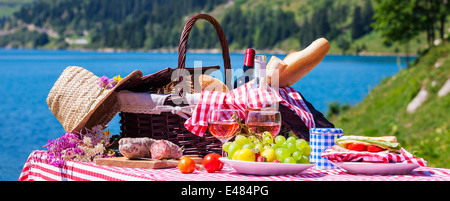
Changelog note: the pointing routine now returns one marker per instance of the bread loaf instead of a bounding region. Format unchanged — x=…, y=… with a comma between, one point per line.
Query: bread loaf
x=274, y=69
x=301, y=63
x=208, y=83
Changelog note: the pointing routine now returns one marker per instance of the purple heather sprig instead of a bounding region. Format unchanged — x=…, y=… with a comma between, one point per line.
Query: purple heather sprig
x=79, y=147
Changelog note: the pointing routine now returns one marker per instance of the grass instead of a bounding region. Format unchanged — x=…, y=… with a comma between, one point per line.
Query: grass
x=426, y=132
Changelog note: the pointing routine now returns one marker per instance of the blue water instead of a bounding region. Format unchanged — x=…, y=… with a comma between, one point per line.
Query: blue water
x=26, y=77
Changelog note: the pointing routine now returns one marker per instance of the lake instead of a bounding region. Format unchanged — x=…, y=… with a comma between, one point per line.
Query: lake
x=28, y=75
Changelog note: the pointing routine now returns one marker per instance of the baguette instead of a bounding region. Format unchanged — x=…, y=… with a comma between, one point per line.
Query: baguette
x=274, y=69
x=301, y=63
x=208, y=83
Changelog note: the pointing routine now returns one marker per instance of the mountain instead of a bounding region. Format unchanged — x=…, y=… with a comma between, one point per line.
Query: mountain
x=283, y=25
x=424, y=132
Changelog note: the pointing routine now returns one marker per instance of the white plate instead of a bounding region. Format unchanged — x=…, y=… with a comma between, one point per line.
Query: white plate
x=266, y=168
x=376, y=168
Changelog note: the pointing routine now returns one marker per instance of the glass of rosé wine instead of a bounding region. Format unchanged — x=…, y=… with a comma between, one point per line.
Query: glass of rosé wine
x=223, y=124
x=260, y=121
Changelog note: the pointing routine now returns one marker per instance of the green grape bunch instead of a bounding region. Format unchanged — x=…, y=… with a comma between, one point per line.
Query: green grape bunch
x=269, y=149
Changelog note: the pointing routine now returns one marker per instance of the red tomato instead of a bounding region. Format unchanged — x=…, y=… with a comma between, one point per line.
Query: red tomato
x=373, y=148
x=261, y=159
x=186, y=165
x=211, y=163
x=356, y=147
x=276, y=161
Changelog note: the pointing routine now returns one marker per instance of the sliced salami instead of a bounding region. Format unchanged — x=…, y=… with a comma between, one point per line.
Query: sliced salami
x=162, y=149
x=136, y=147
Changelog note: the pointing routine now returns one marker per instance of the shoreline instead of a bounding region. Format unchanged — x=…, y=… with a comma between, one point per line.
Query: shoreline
x=215, y=51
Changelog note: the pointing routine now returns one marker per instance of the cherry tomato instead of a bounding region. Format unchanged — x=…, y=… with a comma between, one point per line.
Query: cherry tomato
x=186, y=165
x=276, y=161
x=373, y=148
x=211, y=163
x=356, y=147
x=261, y=159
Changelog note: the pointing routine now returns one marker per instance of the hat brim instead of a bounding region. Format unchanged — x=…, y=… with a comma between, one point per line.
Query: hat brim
x=104, y=110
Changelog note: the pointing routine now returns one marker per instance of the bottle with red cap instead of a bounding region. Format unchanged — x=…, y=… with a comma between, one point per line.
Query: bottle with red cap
x=249, y=64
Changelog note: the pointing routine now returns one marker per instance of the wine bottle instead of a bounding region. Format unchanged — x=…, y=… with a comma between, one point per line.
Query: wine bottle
x=249, y=63
x=260, y=96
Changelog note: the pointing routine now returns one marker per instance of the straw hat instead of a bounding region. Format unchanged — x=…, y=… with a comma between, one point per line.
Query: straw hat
x=76, y=103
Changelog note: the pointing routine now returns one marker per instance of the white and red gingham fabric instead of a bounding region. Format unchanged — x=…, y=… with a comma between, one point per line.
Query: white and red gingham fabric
x=235, y=99
x=37, y=168
x=354, y=156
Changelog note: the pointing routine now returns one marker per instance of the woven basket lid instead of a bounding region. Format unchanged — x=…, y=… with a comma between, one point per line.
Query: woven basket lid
x=73, y=101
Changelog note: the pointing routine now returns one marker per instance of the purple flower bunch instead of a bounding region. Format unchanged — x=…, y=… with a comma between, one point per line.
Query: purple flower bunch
x=65, y=147
x=79, y=147
x=107, y=83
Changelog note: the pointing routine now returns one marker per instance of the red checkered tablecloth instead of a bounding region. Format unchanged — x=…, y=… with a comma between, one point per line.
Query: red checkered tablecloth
x=38, y=168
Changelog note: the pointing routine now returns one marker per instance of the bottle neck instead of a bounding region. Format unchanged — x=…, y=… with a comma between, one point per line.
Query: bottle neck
x=249, y=59
x=260, y=70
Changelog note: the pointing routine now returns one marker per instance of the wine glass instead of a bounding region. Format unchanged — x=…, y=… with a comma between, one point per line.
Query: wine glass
x=223, y=124
x=260, y=121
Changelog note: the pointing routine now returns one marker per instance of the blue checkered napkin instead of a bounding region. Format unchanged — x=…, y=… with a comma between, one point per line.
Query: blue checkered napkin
x=321, y=139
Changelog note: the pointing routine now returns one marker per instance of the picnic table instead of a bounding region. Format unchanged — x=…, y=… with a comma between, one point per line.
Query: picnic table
x=38, y=168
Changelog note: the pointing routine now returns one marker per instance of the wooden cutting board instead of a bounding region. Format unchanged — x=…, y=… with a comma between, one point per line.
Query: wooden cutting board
x=142, y=163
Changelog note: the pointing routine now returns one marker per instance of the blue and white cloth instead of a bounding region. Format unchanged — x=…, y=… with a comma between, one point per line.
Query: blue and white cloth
x=321, y=139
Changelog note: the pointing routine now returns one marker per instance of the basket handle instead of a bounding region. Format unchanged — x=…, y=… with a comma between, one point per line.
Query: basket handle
x=182, y=48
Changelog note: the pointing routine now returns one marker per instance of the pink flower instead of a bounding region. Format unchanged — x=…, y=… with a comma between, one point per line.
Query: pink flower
x=104, y=82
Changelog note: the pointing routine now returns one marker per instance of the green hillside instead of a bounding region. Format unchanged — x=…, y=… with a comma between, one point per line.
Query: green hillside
x=270, y=25
x=8, y=7
x=426, y=132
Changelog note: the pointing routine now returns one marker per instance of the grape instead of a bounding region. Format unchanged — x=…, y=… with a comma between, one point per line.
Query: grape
x=252, y=138
x=284, y=145
x=279, y=140
x=291, y=147
x=266, y=133
x=226, y=145
x=233, y=147
x=248, y=146
x=307, y=151
x=289, y=160
x=260, y=147
x=268, y=139
x=241, y=140
x=291, y=139
x=301, y=143
x=282, y=153
x=274, y=146
x=297, y=155
x=304, y=159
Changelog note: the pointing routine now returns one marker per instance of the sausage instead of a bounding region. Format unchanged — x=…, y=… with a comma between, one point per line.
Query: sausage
x=162, y=149
x=136, y=147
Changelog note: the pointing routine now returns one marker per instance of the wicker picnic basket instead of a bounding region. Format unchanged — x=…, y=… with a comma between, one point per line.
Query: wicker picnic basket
x=167, y=125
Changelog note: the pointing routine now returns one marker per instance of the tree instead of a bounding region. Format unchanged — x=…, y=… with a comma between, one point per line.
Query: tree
x=397, y=21
x=343, y=43
x=358, y=24
x=367, y=16
x=444, y=10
